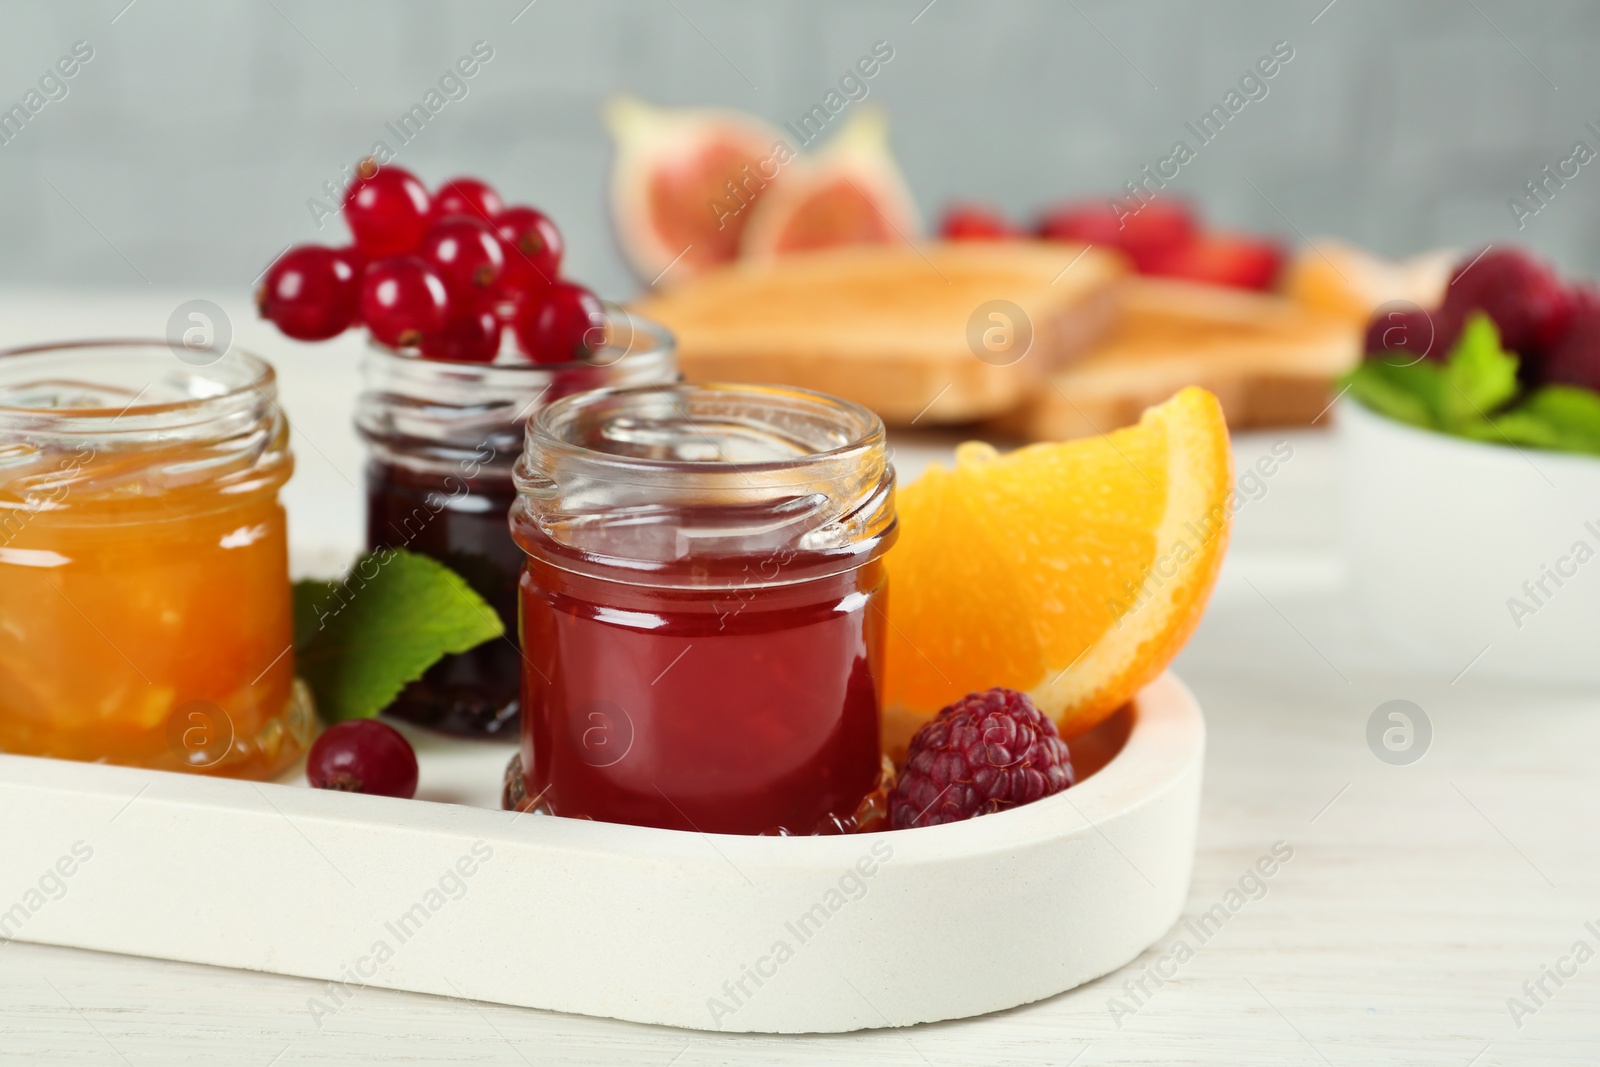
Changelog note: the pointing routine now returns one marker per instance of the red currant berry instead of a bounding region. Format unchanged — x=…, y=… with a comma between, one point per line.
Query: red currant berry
x=472, y=336
x=466, y=196
x=310, y=292
x=363, y=756
x=403, y=300
x=563, y=323
x=467, y=255
x=358, y=261
x=533, y=249
x=387, y=209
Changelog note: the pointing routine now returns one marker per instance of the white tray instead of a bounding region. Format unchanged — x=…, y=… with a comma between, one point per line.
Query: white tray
x=654, y=926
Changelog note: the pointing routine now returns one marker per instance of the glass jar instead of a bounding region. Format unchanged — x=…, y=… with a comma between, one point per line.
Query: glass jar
x=144, y=565
x=703, y=607
x=442, y=441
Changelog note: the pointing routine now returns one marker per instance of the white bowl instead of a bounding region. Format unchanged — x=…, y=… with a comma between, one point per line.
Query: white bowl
x=1471, y=554
x=656, y=926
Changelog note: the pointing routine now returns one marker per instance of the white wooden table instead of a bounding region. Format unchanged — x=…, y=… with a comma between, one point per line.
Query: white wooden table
x=1418, y=900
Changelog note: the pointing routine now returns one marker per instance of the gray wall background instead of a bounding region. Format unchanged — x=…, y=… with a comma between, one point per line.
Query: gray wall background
x=184, y=153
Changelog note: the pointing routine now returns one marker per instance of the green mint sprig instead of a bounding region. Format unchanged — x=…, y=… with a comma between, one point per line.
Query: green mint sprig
x=360, y=640
x=1474, y=394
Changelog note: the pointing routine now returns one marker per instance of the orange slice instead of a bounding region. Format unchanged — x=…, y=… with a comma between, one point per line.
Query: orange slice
x=1073, y=572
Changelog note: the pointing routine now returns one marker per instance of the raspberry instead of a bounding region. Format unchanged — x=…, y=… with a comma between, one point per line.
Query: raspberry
x=975, y=222
x=1217, y=259
x=984, y=753
x=1522, y=295
x=1575, y=358
x=1408, y=331
x=1156, y=227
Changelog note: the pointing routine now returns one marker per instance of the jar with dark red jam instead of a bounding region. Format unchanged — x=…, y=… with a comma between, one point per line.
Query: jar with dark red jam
x=442, y=441
x=703, y=608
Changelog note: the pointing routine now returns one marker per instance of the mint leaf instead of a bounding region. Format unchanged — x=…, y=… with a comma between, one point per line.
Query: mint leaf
x=1519, y=428
x=309, y=594
x=359, y=641
x=1480, y=376
x=1475, y=395
x=1406, y=392
x=1561, y=417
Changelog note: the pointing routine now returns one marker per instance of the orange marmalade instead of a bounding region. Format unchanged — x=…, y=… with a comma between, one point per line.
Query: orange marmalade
x=145, y=613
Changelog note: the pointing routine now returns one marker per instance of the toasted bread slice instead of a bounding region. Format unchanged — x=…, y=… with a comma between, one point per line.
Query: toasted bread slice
x=1270, y=361
x=897, y=327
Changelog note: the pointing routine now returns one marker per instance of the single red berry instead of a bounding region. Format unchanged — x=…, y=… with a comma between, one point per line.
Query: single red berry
x=984, y=753
x=1523, y=295
x=387, y=209
x=310, y=293
x=1575, y=357
x=403, y=300
x=975, y=222
x=363, y=756
x=1142, y=230
x=466, y=196
x=533, y=249
x=467, y=255
x=563, y=322
x=471, y=336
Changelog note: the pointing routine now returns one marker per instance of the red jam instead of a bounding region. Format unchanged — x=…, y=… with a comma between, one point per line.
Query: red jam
x=442, y=439
x=703, y=638
x=671, y=708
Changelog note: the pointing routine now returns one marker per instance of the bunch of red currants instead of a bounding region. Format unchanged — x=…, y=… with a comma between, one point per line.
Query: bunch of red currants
x=446, y=274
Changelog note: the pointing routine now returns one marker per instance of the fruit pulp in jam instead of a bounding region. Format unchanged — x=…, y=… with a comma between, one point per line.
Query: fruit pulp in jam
x=461, y=522
x=149, y=625
x=744, y=710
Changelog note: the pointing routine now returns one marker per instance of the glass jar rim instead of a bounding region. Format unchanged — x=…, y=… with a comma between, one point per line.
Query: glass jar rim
x=646, y=341
x=248, y=381
x=610, y=484
x=436, y=414
x=549, y=428
x=212, y=417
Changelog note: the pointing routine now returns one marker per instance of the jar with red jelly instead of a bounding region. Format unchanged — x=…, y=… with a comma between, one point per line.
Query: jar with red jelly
x=703, y=608
x=442, y=441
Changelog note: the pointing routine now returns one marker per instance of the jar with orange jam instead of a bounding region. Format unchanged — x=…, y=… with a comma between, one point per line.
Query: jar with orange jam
x=145, y=613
